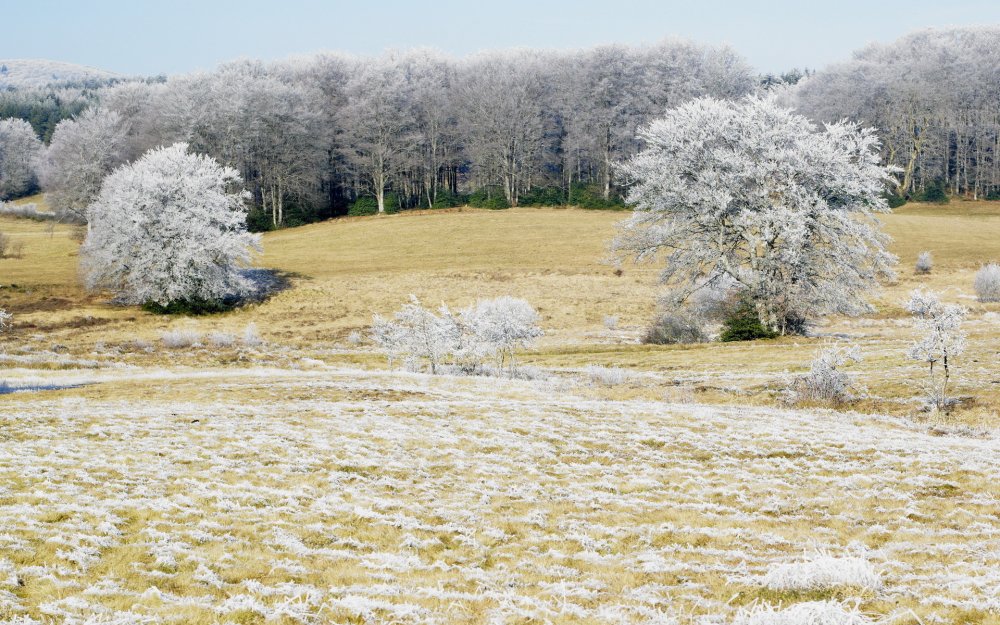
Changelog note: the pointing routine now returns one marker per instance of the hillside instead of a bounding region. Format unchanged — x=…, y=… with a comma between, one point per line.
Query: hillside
x=25, y=73
x=301, y=479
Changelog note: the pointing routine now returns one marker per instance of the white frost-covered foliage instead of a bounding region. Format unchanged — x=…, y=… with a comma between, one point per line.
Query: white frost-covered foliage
x=823, y=571
x=83, y=151
x=491, y=329
x=500, y=326
x=19, y=150
x=925, y=262
x=5, y=318
x=825, y=380
x=750, y=192
x=987, y=283
x=941, y=341
x=416, y=333
x=169, y=227
x=805, y=613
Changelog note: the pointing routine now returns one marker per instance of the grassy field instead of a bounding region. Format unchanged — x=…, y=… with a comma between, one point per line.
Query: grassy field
x=300, y=481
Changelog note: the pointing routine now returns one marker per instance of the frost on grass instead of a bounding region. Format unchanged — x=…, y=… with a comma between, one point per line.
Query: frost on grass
x=806, y=613
x=348, y=496
x=824, y=571
x=180, y=338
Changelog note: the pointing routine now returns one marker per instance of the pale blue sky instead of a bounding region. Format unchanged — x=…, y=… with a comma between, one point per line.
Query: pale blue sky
x=145, y=37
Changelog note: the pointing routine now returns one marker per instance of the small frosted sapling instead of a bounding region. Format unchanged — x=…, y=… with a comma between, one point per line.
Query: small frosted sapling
x=941, y=341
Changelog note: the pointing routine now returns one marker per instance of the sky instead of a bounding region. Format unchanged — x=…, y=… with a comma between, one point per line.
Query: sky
x=147, y=37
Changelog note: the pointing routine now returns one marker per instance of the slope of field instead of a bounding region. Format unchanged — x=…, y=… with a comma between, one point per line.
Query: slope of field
x=299, y=481
x=26, y=73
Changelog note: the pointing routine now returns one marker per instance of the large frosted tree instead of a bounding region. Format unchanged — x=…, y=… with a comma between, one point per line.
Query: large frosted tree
x=170, y=227
x=750, y=193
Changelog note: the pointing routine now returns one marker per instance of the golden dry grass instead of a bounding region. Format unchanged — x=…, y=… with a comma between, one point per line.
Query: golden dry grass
x=299, y=481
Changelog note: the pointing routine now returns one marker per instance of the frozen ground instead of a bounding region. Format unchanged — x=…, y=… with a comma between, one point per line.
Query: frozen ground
x=346, y=496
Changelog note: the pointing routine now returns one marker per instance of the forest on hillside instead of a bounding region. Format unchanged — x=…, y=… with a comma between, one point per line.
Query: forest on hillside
x=333, y=134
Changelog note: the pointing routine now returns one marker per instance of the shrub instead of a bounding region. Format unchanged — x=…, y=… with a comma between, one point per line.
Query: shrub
x=195, y=306
x=221, y=339
x=180, y=338
x=592, y=197
x=987, y=283
x=611, y=322
x=672, y=328
x=10, y=248
x=369, y=206
x=744, y=324
x=607, y=376
x=492, y=329
x=251, y=337
x=894, y=200
x=355, y=338
x=543, y=196
x=5, y=318
x=925, y=262
x=447, y=199
x=825, y=382
x=488, y=198
x=934, y=192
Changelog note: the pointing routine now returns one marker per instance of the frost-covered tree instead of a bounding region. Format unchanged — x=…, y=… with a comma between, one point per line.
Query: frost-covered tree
x=416, y=333
x=987, y=283
x=498, y=327
x=942, y=340
x=83, y=151
x=752, y=193
x=170, y=227
x=19, y=150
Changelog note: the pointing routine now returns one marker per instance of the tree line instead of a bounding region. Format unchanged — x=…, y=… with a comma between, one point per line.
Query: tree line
x=324, y=135
x=333, y=134
x=933, y=96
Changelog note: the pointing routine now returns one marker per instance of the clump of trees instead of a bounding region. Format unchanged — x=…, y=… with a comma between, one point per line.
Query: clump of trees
x=332, y=134
x=933, y=96
x=752, y=196
x=491, y=331
x=169, y=228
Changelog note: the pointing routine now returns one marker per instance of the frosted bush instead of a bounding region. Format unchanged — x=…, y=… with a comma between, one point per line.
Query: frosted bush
x=925, y=262
x=251, y=337
x=806, y=613
x=823, y=571
x=180, y=338
x=355, y=338
x=941, y=341
x=987, y=283
x=5, y=318
x=611, y=322
x=490, y=330
x=416, y=333
x=607, y=376
x=221, y=339
x=825, y=380
x=498, y=327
